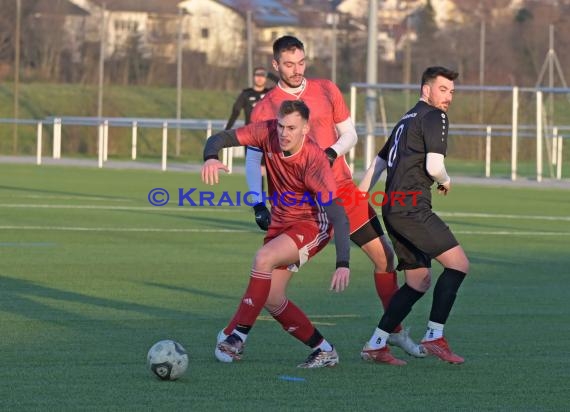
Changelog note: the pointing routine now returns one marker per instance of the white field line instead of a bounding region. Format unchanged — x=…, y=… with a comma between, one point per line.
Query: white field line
x=240, y=209
x=104, y=207
x=70, y=197
x=502, y=216
x=234, y=209
x=125, y=229
x=312, y=317
x=508, y=233
x=206, y=230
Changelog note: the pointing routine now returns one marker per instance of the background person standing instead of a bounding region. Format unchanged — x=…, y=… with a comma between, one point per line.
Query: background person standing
x=249, y=97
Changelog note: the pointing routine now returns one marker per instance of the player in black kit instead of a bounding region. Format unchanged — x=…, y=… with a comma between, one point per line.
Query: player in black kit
x=414, y=159
x=250, y=96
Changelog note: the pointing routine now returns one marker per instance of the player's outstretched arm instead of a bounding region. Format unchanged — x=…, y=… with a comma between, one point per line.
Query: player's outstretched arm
x=336, y=214
x=214, y=144
x=372, y=174
x=210, y=171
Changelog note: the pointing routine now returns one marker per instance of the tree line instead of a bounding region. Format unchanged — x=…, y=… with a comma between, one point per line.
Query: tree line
x=516, y=46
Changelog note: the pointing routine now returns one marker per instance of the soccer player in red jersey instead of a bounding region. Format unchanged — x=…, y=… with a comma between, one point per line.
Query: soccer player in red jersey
x=414, y=159
x=334, y=131
x=302, y=188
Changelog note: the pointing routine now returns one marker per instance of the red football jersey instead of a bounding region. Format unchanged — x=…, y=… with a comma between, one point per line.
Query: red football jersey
x=327, y=107
x=298, y=184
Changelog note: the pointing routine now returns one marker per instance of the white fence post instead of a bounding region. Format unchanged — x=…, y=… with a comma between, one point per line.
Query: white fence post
x=352, y=151
x=164, y=144
x=554, y=146
x=39, y=144
x=105, y=139
x=134, y=141
x=515, y=132
x=488, y=153
x=559, y=159
x=56, y=152
x=100, y=145
x=539, y=136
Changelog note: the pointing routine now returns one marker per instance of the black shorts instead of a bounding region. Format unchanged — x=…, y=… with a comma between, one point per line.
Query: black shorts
x=418, y=236
x=367, y=232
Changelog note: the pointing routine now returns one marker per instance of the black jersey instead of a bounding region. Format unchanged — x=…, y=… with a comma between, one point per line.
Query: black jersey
x=246, y=101
x=421, y=130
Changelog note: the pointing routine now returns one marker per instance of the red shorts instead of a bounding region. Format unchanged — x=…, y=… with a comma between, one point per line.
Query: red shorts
x=309, y=236
x=358, y=210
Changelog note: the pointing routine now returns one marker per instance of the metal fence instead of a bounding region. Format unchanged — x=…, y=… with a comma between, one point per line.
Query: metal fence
x=546, y=135
x=541, y=126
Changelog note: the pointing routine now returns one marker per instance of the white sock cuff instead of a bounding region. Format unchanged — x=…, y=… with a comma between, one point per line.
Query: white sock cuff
x=435, y=325
x=381, y=334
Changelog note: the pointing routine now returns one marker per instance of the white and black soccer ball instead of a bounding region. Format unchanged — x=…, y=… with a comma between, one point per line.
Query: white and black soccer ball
x=167, y=359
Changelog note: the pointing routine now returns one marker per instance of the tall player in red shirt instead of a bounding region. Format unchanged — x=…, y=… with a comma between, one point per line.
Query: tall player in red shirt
x=302, y=189
x=334, y=131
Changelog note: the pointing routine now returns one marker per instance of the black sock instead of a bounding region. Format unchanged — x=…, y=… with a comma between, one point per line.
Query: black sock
x=243, y=329
x=444, y=294
x=399, y=307
x=315, y=339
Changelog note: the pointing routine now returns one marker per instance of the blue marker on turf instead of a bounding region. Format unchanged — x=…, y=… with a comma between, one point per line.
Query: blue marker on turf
x=291, y=378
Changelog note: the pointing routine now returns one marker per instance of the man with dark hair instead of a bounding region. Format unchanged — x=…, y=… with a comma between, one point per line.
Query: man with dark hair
x=335, y=133
x=414, y=159
x=299, y=170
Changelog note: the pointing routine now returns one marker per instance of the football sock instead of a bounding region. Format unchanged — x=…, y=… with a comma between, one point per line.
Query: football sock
x=444, y=294
x=241, y=334
x=378, y=339
x=386, y=286
x=399, y=307
x=324, y=346
x=253, y=299
x=434, y=331
x=293, y=320
x=315, y=339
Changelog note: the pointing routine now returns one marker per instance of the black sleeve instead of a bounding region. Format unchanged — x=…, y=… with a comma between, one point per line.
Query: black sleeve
x=336, y=214
x=383, y=153
x=236, y=109
x=218, y=141
x=434, y=129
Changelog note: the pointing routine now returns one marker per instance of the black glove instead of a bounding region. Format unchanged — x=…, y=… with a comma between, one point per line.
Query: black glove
x=331, y=154
x=262, y=216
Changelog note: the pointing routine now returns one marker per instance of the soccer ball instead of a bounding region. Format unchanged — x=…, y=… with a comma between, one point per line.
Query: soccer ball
x=167, y=359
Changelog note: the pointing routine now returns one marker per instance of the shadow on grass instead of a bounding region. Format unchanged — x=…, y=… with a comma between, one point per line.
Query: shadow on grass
x=20, y=297
x=59, y=192
x=192, y=291
x=210, y=222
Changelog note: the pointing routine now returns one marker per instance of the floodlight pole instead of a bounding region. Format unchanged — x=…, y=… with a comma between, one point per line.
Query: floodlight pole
x=178, y=81
x=334, y=46
x=17, y=75
x=249, y=48
x=482, y=70
x=101, y=65
x=371, y=78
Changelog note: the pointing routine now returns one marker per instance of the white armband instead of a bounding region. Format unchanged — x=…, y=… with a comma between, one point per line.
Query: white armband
x=347, y=137
x=436, y=168
x=253, y=173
